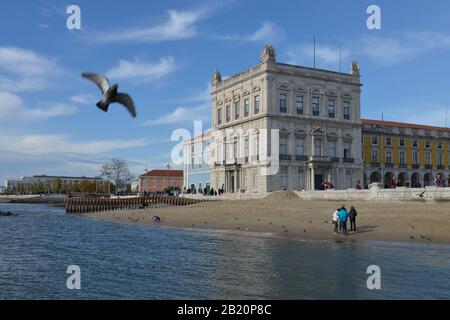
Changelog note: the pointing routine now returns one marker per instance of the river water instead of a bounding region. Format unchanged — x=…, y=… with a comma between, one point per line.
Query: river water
x=120, y=261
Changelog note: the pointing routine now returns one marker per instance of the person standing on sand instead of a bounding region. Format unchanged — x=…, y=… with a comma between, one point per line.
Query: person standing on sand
x=335, y=220
x=352, y=216
x=343, y=216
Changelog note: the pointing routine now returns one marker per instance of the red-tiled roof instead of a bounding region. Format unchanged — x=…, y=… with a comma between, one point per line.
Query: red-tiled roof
x=402, y=125
x=164, y=173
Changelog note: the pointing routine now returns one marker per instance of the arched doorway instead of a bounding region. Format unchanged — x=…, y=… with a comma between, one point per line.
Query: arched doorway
x=415, y=180
x=389, y=181
x=402, y=178
x=428, y=179
x=375, y=177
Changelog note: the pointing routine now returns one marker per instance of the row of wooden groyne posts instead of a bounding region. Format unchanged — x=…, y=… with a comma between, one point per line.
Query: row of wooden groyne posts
x=91, y=204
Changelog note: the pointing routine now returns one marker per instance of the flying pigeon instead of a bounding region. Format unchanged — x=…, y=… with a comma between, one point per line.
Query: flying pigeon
x=110, y=94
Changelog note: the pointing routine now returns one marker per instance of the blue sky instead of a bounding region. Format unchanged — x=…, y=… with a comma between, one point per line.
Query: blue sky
x=164, y=52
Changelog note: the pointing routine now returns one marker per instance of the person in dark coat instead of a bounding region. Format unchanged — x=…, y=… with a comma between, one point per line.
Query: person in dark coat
x=352, y=215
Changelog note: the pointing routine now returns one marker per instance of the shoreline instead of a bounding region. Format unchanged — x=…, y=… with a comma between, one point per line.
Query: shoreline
x=283, y=214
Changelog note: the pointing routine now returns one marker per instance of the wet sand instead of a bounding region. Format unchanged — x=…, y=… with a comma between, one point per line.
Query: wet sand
x=283, y=213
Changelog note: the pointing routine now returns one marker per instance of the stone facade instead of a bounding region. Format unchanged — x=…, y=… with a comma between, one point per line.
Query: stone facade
x=279, y=126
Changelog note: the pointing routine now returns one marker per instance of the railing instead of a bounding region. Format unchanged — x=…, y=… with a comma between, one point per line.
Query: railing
x=441, y=167
x=389, y=165
x=348, y=160
x=301, y=158
x=285, y=157
x=429, y=166
x=85, y=204
x=403, y=165
x=375, y=165
x=416, y=166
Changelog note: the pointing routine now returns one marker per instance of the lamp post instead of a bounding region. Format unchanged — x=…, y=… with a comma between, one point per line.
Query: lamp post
x=167, y=175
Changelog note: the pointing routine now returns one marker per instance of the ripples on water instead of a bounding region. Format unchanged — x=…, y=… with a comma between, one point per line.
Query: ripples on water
x=121, y=261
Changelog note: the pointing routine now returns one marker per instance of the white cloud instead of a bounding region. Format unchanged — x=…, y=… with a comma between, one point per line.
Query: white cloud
x=183, y=114
x=12, y=108
x=84, y=98
x=143, y=71
x=25, y=70
x=179, y=25
x=326, y=56
x=392, y=50
x=41, y=144
x=267, y=33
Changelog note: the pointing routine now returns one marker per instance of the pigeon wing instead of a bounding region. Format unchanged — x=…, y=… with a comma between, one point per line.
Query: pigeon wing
x=101, y=81
x=126, y=100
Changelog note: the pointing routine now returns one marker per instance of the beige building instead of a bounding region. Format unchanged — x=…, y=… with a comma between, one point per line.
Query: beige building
x=279, y=126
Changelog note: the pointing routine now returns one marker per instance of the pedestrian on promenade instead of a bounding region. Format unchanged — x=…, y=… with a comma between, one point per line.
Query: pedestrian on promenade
x=352, y=216
x=343, y=216
x=335, y=220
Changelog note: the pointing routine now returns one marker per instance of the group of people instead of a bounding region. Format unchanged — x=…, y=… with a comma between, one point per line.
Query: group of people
x=341, y=217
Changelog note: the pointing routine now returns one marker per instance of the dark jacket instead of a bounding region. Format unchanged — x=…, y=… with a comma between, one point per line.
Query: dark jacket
x=352, y=214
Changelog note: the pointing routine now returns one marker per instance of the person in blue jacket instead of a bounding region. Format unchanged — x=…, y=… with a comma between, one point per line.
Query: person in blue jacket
x=343, y=216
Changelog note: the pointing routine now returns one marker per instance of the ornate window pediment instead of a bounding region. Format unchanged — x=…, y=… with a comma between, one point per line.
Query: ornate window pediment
x=219, y=102
x=227, y=99
x=246, y=93
x=300, y=133
x=300, y=90
x=283, y=87
x=347, y=137
x=316, y=91
x=347, y=96
x=317, y=132
x=256, y=89
x=284, y=132
x=331, y=94
x=332, y=136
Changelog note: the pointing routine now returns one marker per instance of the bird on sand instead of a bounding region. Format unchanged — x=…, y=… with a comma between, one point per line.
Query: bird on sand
x=110, y=94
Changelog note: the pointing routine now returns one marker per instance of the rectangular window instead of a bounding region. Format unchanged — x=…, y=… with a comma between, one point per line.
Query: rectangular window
x=374, y=140
x=439, y=145
x=299, y=104
x=301, y=179
x=317, y=147
x=256, y=106
x=245, y=179
x=283, y=145
x=415, y=158
x=348, y=179
x=300, y=147
x=284, y=177
x=228, y=113
x=246, y=148
x=402, y=157
x=346, y=110
x=427, y=144
x=401, y=143
x=331, y=109
x=246, y=108
x=332, y=149
x=219, y=116
x=415, y=143
x=315, y=106
x=374, y=155
x=255, y=181
x=388, y=156
x=236, y=110
x=388, y=141
x=428, y=158
x=283, y=103
x=440, y=159
x=347, y=150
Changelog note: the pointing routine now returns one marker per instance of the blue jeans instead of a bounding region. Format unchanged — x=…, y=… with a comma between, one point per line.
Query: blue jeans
x=343, y=226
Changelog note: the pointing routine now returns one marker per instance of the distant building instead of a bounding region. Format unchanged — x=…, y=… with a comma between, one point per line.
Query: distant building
x=159, y=180
x=196, y=169
x=56, y=184
x=403, y=154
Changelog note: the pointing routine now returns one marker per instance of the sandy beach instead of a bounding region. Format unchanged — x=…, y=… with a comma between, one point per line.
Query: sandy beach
x=283, y=213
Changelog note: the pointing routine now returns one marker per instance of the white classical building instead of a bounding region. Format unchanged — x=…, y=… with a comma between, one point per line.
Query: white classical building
x=279, y=126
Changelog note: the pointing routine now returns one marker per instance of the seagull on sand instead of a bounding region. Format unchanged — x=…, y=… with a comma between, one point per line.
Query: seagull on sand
x=110, y=94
